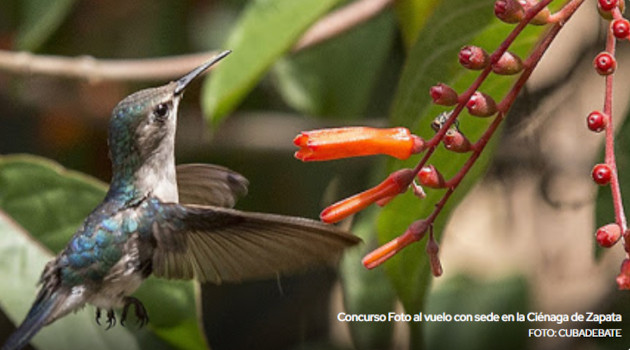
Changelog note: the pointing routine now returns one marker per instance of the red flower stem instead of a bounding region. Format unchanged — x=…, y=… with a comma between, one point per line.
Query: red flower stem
x=562, y=15
x=530, y=64
x=454, y=182
x=615, y=188
x=616, y=13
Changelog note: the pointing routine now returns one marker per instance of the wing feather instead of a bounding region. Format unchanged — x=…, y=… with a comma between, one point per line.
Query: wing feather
x=208, y=184
x=225, y=245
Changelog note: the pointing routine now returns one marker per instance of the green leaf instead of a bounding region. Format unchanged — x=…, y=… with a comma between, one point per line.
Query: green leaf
x=412, y=16
x=47, y=200
x=41, y=19
x=51, y=202
x=433, y=59
x=366, y=291
x=466, y=296
x=265, y=31
x=174, y=311
x=21, y=262
x=337, y=77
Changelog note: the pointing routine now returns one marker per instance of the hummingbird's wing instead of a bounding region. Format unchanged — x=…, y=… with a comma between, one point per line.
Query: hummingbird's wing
x=208, y=184
x=226, y=245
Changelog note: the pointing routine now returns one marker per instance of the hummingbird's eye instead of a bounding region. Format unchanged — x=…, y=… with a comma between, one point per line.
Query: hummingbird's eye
x=161, y=111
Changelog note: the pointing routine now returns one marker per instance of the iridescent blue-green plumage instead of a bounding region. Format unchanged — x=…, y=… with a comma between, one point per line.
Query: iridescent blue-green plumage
x=172, y=222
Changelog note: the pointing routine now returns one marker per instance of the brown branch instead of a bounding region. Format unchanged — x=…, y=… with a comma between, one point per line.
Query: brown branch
x=95, y=70
x=340, y=21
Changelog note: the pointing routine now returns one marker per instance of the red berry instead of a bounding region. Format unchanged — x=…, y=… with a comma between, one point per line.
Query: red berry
x=607, y=5
x=604, y=63
x=608, y=14
x=621, y=28
x=608, y=235
x=597, y=121
x=602, y=174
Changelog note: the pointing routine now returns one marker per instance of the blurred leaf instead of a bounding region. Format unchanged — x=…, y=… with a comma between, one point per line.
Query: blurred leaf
x=47, y=200
x=412, y=15
x=337, y=77
x=51, y=203
x=174, y=312
x=21, y=262
x=366, y=291
x=266, y=30
x=434, y=59
x=463, y=295
x=41, y=19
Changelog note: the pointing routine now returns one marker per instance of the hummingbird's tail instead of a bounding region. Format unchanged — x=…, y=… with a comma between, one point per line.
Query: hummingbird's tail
x=41, y=313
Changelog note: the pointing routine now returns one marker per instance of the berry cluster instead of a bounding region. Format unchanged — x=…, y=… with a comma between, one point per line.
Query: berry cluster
x=605, y=174
x=399, y=142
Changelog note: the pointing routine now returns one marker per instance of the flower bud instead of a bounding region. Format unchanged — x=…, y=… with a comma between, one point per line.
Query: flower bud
x=509, y=11
x=542, y=17
x=608, y=235
x=455, y=141
x=443, y=94
x=481, y=105
x=414, y=233
x=473, y=57
x=430, y=177
x=396, y=183
x=434, y=259
x=508, y=64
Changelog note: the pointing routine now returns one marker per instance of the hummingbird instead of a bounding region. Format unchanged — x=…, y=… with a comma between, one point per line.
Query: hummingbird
x=175, y=222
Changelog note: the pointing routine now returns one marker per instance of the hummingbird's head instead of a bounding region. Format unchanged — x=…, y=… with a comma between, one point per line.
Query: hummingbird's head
x=143, y=124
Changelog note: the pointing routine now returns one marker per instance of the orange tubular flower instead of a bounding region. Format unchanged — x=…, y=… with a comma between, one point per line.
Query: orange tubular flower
x=327, y=144
x=395, y=184
x=381, y=254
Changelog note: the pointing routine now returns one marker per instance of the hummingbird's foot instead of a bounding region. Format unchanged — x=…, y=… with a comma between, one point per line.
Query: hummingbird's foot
x=141, y=312
x=111, y=319
x=98, y=316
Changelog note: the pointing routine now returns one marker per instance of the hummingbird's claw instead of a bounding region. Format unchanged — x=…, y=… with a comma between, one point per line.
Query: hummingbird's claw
x=111, y=319
x=98, y=316
x=141, y=312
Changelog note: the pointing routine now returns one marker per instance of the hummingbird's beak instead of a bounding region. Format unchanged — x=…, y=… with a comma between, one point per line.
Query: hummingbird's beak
x=186, y=79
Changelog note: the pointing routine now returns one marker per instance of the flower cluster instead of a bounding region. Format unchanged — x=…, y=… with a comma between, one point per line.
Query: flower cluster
x=605, y=174
x=398, y=142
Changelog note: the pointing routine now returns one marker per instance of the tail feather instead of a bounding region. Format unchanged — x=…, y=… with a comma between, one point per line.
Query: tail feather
x=38, y=316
